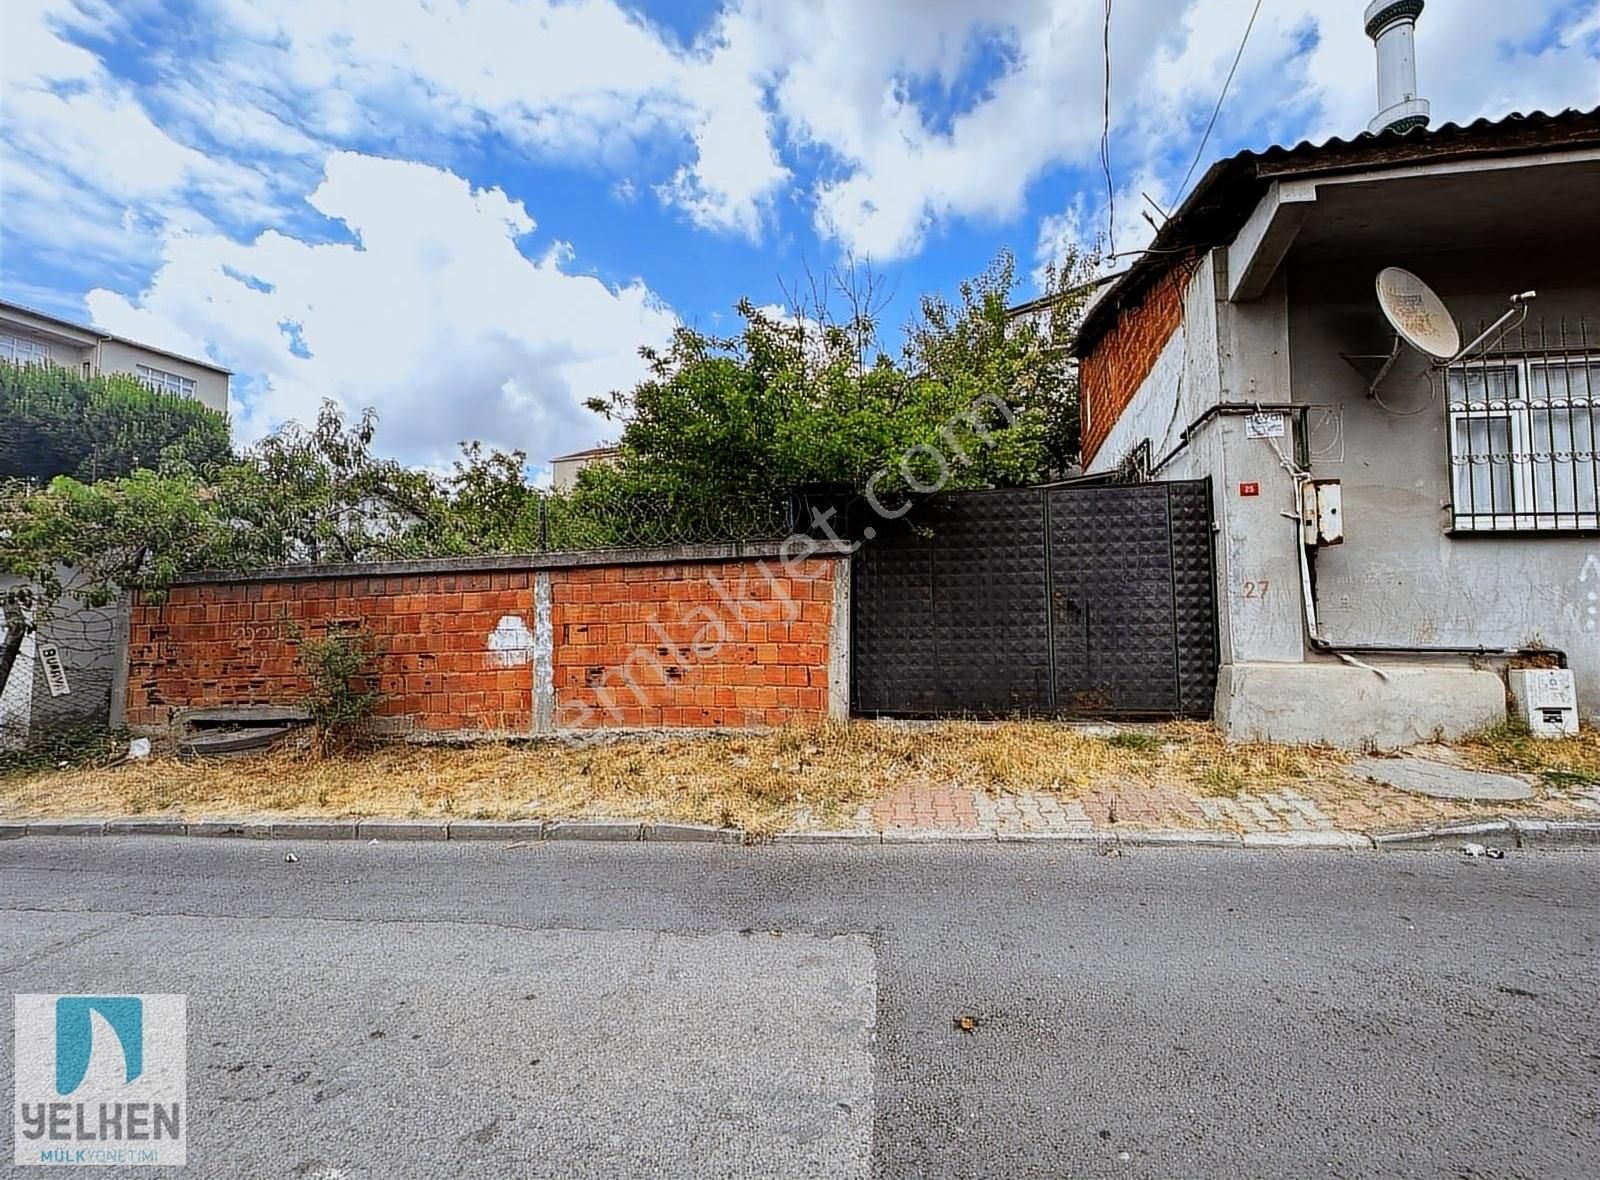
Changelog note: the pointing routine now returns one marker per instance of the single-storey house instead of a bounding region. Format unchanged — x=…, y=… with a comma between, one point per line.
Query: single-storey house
x=1393, y=529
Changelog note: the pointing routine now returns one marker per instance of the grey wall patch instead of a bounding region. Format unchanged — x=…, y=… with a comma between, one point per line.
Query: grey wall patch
x=510, y=643
x=544, y=643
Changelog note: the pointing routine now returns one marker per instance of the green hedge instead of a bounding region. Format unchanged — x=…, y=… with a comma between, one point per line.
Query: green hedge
x=55, y=422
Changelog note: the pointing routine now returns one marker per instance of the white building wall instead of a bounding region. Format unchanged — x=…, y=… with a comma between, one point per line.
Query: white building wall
x=210, y=386
x=1225, y=353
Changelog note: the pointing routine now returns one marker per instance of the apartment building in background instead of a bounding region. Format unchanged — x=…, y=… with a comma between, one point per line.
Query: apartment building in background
x=33, y=337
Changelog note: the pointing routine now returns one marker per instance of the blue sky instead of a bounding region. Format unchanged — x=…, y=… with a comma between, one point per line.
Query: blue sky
x=470, y=214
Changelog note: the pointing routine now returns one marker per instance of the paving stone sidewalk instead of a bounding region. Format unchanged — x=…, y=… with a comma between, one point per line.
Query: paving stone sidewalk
x=928, y=808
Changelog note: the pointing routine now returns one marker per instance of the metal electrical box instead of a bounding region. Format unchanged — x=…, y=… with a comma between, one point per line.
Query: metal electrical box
x=1547, y=701
x=1322, y=512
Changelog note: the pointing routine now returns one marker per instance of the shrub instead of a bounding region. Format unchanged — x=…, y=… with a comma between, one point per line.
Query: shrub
x=342, y=699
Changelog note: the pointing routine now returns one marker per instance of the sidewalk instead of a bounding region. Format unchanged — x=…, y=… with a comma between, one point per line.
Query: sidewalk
x=929, y=810
x=864, y=781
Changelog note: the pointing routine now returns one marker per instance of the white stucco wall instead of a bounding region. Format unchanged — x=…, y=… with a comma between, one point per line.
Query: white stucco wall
x=1225, y=353
x=211, y=387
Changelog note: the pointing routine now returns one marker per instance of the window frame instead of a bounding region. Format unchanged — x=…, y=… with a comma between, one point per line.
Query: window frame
x=1519, y=408
x=164, y=381
x=39, y=352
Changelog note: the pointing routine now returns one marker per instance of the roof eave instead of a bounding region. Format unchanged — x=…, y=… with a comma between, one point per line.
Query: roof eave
x=1248, y=174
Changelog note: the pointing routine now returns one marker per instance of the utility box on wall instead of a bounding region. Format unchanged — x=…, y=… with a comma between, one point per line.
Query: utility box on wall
x=1547, y=701
x=1322, y=513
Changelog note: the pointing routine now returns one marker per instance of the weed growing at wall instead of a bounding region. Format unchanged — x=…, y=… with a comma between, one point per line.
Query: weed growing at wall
x=79, y=747
x=342, y=699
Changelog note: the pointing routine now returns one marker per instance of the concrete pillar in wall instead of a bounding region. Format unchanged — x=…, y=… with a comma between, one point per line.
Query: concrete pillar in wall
x=839, y=644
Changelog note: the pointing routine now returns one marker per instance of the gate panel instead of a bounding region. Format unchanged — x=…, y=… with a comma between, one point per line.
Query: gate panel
x=949, y=613
x=894, y=659
x=1111, y=581
x=1079, y=601
x=990, y=616
x=1194, y=596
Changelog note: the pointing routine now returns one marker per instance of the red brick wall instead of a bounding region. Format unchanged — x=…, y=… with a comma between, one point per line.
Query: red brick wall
x=632, y=645
x=627, y=640
x=1117, y=365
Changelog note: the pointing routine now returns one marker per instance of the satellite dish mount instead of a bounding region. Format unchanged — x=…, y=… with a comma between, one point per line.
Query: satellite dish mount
x=1419, y=318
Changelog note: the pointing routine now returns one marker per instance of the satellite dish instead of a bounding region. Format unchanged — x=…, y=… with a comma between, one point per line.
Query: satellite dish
x=1417, y=314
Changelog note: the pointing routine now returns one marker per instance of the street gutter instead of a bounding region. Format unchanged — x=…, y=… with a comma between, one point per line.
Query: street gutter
x=1551, y=833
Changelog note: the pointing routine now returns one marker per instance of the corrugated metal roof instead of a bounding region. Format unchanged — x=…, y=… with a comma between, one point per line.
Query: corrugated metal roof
x=1217, y=207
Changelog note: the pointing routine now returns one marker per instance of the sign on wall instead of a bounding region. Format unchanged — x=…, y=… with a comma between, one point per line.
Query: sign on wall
x=1264, y=426
x=55, y=674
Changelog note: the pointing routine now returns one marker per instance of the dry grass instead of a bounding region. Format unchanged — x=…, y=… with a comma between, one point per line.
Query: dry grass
x=758, y=782
x=1509, y=747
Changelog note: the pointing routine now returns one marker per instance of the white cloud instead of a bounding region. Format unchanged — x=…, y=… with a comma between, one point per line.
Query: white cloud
x=432, y=315
x=574, y=79
x=86, y=169
x=843, y=72
x=718, y=127
x=864, y=114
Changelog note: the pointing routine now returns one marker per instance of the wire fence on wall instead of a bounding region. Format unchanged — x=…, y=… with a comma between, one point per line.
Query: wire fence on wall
x=599, y=520
x=56, y=702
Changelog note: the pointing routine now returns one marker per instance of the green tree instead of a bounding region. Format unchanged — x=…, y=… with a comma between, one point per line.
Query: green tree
x=320, y=494
x=55, y=422
x=977, y=344
x=726, y=427
x=488, y=505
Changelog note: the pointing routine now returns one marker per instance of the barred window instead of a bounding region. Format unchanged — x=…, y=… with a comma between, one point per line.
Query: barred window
x=1522, y=443
x=21, y=351
x=164, y=382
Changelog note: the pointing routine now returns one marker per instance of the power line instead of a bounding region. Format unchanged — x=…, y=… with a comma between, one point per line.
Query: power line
x=1105, y=141
x=1217, y=110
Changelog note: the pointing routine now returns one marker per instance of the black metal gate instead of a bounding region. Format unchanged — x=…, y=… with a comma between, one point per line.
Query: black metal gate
x=1087, y=600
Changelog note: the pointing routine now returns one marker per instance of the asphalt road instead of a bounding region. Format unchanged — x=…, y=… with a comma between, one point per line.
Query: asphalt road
x=590, y=1010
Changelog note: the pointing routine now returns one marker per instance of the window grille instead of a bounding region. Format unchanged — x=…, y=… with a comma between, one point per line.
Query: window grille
x=1522, y=431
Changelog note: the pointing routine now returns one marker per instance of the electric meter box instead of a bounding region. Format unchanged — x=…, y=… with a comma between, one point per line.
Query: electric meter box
x=1547, y=701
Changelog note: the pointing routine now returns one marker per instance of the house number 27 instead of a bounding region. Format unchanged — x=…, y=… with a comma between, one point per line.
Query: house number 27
x=1256, y=589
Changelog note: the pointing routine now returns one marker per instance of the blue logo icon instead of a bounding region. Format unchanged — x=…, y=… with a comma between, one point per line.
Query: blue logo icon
x=75, y=1036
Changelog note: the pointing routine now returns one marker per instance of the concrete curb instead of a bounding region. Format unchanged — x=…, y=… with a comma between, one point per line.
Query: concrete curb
x=243, y=828
x=403, y=829
x=846, y=836
x=676, y=833
x=1178, y=838
x=137, y=826
x=937, y=835
x=1352, y=840
x=1557, y=834
x=314, y=829
x=1096, y=839
x=595, y=829
x=67, y=827
x=1447, y=835
x=497, y=829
